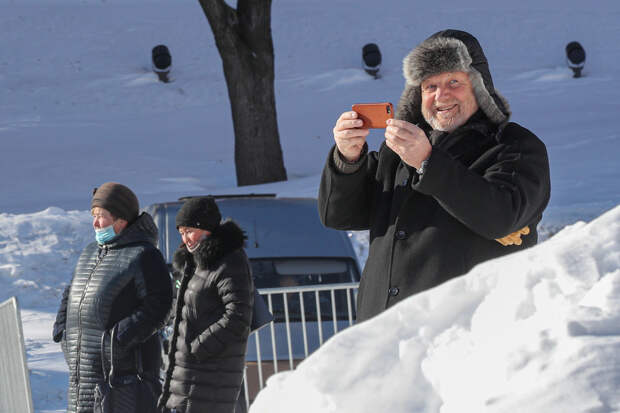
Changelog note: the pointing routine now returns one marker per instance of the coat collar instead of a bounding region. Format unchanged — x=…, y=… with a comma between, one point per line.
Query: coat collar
x=225, y=239
x=143, y=229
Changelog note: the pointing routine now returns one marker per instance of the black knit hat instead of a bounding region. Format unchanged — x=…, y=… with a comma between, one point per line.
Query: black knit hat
x=118, y=199
x=201, y=213
x=450, y=51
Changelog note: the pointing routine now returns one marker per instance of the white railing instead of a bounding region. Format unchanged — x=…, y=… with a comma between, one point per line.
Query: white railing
x=299, y=337
x=15, y=391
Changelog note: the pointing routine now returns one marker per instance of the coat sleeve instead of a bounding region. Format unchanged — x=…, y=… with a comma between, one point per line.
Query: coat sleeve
x=345, y=199
x=61, y=316
x=235, y=289
x=512, y=192
x=154, y=294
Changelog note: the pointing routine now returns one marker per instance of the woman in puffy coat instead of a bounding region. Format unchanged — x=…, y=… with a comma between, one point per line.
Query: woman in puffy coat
x=213, y=313
x=120, y=284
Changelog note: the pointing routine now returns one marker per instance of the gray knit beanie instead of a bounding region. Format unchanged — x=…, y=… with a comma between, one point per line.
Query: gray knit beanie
x=118, y=199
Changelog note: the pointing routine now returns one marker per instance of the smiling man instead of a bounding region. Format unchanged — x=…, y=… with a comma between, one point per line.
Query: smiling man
x=454, y=184
x=447, y=100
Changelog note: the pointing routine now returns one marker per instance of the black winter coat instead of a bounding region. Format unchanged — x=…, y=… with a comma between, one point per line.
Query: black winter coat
x=479, y=185
x=123, y=283
x=211, y=326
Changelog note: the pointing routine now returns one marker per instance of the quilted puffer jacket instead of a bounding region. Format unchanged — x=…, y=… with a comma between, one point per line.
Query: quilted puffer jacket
x=123, y=283
x=212, y=323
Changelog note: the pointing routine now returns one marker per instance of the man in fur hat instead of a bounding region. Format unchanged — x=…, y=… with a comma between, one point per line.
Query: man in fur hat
x=454, y=184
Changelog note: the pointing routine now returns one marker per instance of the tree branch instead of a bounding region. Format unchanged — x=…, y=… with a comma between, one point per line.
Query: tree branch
x=222, y=19
x=255, y=22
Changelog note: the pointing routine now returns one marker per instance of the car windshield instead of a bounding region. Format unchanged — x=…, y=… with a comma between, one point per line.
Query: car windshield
x=274, y=227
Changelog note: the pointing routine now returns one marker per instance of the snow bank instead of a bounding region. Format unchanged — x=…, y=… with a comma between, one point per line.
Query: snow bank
x=38, y=253
x=537, y=331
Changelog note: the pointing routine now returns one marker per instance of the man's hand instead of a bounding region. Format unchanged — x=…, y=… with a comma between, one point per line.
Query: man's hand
x=514, y=238
x=408, y=141
x=349, y=136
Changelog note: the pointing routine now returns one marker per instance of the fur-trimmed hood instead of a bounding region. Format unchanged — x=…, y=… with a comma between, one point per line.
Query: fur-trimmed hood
x=226, y=238
x=450, y=51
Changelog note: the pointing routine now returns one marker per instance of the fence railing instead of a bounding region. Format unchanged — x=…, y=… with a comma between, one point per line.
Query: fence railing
x=304, y=318
x=15, y=393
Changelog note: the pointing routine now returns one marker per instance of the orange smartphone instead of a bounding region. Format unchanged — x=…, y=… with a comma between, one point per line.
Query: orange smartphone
x=374, y=115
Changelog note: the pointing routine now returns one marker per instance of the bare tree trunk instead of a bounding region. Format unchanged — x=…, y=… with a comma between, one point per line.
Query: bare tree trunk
x=243, y=38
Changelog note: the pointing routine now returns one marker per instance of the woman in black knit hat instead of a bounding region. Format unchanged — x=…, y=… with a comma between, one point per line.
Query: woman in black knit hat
x=213, y=312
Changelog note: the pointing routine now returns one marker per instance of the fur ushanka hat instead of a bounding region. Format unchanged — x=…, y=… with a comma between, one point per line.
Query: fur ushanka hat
x=450, y=51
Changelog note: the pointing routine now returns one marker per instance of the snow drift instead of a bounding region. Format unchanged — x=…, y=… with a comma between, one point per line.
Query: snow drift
x=536, y=331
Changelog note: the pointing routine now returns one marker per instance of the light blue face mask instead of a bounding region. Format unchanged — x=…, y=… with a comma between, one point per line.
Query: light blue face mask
x=104, y=235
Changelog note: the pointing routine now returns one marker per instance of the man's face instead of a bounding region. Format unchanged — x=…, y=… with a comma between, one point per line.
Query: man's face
x=448, y=100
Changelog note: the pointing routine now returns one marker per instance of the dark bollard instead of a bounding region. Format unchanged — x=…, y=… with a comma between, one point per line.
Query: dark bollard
x=575, y=57
x=371, y=57
x=162, y=62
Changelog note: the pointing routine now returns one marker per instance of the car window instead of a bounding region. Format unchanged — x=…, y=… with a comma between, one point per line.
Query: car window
x=277, y=273
x=309, y=266
x=287, y=272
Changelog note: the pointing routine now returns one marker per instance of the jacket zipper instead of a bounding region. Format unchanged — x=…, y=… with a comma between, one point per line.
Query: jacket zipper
x=100, y=255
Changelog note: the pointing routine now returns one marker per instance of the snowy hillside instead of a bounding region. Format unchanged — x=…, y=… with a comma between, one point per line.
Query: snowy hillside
x=79, y=106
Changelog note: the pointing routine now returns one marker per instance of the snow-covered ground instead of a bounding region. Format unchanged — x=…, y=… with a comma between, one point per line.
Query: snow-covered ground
x=79, y=107
x=537, y=331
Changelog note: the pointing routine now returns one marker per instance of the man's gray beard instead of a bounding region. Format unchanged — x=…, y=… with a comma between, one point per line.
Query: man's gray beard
x=433, y=124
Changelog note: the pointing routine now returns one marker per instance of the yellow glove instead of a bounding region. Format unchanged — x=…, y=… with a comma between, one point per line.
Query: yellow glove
x=514, y=238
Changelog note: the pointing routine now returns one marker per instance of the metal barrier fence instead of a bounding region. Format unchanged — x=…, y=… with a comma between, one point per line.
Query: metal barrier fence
x=304, y=318
x=15, y=394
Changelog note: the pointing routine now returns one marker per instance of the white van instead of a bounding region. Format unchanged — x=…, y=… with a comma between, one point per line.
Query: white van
x=298, y=266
